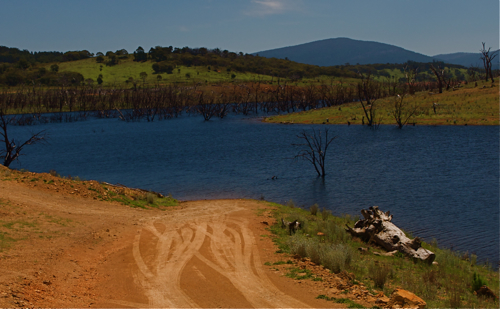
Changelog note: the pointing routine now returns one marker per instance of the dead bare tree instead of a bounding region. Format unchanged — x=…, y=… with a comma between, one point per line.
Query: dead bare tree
x=368, y=92
x=440, y=76
x=315, y=148
x=487, y=58
x=411, y=77
x=403, y=111
x=12, y=150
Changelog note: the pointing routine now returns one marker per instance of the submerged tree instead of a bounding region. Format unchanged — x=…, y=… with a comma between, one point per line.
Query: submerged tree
x=12, y=150
x=315, y=148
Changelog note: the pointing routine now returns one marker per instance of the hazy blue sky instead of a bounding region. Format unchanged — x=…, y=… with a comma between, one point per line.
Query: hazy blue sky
x=429, y=27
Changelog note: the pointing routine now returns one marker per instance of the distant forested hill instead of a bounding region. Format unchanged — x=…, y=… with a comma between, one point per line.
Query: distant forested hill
x=467, y=59
x=340, y=51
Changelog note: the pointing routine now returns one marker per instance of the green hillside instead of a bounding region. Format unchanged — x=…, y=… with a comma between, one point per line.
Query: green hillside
x=121, y=74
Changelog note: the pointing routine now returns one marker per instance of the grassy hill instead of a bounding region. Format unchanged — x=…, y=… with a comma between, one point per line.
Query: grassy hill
x=117, y=75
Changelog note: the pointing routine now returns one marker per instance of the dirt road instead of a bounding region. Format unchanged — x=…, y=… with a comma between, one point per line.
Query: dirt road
x=64, y=248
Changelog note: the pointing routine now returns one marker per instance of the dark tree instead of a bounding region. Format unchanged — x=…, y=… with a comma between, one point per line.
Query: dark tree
x=368, y=92
x=54, y=68
x=140, y=55
x=99, y=79
x=440, y=76
x=487, y=58
x=314, y=149
x=12, y=150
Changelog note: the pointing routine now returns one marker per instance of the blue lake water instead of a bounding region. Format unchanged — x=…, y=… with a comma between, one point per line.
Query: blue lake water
x=439, y=182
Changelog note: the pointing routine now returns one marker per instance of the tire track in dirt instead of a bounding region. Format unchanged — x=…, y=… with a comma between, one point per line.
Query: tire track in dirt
x=232, y=252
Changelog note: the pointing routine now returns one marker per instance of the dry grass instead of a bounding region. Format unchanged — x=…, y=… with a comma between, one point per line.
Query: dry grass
x=468, y=105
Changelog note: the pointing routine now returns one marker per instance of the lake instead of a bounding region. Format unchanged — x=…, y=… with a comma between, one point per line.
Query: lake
x=440, y=182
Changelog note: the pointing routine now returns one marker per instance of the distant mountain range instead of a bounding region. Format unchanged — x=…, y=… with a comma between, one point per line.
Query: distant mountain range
x=466, y=59
x=340, y=51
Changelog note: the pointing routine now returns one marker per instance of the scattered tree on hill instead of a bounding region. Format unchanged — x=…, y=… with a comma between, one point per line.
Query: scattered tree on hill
x=487, y=58
x=143, y=76
x=99, y=79
x=140, y=55
x=12, y=150
x=54, y=68
x=314, y=149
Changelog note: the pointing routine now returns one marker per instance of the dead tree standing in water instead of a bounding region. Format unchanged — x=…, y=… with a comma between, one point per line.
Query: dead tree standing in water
x=314, y=149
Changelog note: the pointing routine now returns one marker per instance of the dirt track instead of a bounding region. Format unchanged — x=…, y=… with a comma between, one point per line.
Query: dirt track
x=70, y=250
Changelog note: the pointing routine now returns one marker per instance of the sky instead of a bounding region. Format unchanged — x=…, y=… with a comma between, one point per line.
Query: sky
x=429, y=27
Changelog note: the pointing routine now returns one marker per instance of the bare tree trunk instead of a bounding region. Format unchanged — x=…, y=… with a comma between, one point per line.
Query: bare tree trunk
x=439, y=72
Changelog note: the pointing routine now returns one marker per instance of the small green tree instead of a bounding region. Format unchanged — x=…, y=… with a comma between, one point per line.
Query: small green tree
x=477, y=282
x=99, y=79
x=54, y=68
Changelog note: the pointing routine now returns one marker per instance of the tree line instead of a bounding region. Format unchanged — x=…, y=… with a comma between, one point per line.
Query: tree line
x=18, y=67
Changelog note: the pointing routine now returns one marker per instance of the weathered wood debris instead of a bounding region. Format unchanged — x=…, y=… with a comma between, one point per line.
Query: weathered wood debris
x=378, y=228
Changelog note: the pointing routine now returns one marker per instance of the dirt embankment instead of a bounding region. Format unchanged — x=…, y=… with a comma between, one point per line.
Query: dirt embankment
x=62, y=246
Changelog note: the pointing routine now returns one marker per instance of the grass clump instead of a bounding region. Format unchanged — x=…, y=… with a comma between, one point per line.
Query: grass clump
x=348, y=302
x=5, y=241
x=314, y=209
x=301, y=274
x=335, y=257
x=145, y=201
x=325, y=213
x=379, y=274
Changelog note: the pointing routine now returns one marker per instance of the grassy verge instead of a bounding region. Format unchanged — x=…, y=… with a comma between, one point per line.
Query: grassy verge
x=469, y=105
x=325, y=242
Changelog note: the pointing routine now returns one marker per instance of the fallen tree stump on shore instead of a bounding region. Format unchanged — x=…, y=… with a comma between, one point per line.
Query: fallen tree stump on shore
x=377, y=227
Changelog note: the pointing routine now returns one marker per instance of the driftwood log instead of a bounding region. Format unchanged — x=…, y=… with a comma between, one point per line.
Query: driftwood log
x=377, y=227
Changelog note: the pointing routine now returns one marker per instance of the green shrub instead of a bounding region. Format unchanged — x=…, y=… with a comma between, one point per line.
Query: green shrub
x=477, y=282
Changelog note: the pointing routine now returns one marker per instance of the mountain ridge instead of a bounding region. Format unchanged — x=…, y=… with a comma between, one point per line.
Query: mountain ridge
x=339, y=51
